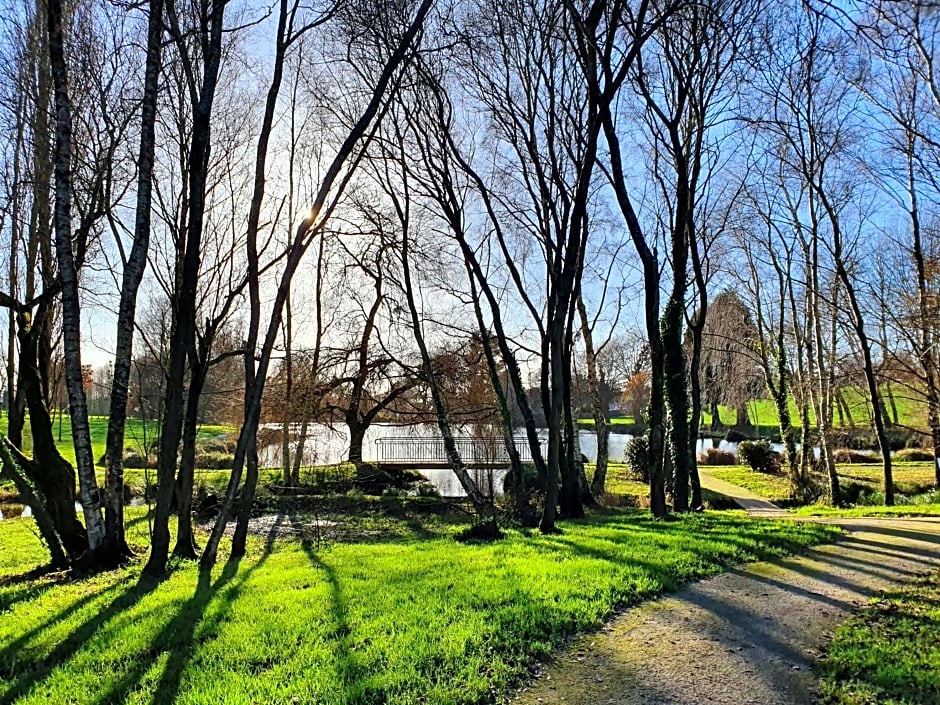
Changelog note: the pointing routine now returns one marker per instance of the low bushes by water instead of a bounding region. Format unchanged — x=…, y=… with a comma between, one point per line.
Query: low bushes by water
x=847, y=455
x=636, y=457
x=714, y=456
x=919, y=455
x=759, y=456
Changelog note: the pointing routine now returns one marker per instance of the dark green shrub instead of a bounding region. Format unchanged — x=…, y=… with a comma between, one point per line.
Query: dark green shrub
x=426, y=489
x=899, y=438
x=859, y=494
x=136, y=461
x=759, y=456
x=636, y=456
x=218, y=444
x=735, y=436
x=523, y=496
x=714, y=456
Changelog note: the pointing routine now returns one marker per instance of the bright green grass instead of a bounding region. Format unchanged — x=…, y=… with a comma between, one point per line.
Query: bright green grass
x=763, y=412
x=431, y=621
x=772, y=487
x=135, y=433
x=909, y=478
x=890, y=653
x=620, y=480
x=902, y=510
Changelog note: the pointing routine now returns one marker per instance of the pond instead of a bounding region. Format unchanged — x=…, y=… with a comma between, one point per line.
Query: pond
x=328, y=445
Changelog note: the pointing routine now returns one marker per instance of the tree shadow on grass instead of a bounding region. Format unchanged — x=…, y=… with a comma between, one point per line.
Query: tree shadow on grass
x=22, y=683
x=26, y=586
x=178, y=636
x=14, y=647
x=352, y=675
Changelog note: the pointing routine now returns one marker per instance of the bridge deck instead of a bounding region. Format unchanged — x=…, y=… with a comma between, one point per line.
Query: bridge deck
x=438, y=465
x=430, y=453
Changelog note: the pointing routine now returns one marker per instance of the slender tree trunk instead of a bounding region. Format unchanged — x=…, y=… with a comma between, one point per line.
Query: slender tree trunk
x=695, y=417
x=240, y=537
x=651, y=282
x=482, y=505
x=130, y=285
x=574, y=484
x=874, y=396
x=600, y=413
x=68, y=275
x=502, y=403
x=185, y=323
x=185, y=539
x=287, y=404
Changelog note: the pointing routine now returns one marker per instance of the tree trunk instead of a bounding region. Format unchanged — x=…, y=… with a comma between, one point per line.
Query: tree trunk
x=601, y=414
x=130, y=285
x=677, y=401
x=68, y=276
x=240, y=538
x=357, y=432
x=185, y=319
x=515, y=463
x=482, y=505
x=288, y=400
x=574, y=485
x=185, y=540
x=48, y=470
x=877, y=406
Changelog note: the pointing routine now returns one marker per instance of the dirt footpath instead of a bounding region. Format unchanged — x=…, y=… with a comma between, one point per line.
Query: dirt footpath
x=750, y=635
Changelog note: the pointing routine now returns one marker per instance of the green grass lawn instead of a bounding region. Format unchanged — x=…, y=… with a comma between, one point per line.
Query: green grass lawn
x=395, y=621
x=909, y=478
x=772, y=487
x=135, y=434
x=913, y=481
x=890, y=653
x=620, y=480
x=911, y=412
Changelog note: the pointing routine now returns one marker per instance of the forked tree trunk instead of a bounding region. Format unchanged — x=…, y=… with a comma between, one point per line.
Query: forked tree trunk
x=48, y=470
x=130, y=285
x=185, y=320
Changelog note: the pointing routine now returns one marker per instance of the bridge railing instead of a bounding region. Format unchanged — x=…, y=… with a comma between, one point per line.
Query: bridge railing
x=488, y=450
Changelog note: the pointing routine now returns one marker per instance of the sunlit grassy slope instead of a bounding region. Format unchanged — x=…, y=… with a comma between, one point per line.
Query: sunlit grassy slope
x=401, y=621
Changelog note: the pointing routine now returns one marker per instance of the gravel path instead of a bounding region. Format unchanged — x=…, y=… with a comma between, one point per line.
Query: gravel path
x=744, y=498
x=750, y=635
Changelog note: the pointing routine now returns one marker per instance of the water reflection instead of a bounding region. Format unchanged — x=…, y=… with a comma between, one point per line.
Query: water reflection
x=327, y=445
